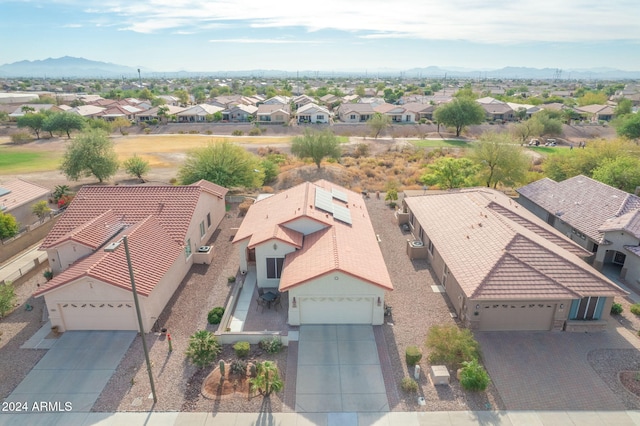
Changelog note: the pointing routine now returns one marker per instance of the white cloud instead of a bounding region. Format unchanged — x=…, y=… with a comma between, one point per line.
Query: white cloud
x=472, y=20
x=72, y=26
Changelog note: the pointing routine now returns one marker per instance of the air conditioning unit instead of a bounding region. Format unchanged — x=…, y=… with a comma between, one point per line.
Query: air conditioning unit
x=416, y=243
x=204, y=249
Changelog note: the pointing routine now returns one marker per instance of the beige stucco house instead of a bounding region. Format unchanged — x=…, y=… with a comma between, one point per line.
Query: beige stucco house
x=273, y=113
x=17, y=198
x=599, y=217
x=167, y=227
x=312, y=113
x=502, y=267
x=316, y=242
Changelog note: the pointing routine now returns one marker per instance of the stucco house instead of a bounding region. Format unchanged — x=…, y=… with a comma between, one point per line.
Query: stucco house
x=197, y=113
x=239, y=113
x=167, y=229
x=599, y=217
x=355, y=113
x=312, y=113
x=597, y=112
x=315, y=241
x=502, y=267
x=17, y=197
x=274, y=113
x=398, y=113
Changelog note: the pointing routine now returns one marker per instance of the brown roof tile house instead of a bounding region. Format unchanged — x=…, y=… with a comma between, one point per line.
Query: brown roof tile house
x=599, y=217
x=505, y=269
x=316, y=242
x=166, y=228
x=17, y=198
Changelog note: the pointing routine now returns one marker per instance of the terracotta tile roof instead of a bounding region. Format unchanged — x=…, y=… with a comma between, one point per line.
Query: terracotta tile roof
x=211, y=188
x=149, y=244
x=173, y=206
x=349, y=248
x=96, y=231
x=20, y=192
x=583, y=203
x=497, y=249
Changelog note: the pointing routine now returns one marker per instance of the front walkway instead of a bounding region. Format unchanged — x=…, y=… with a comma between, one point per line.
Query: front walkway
x=339, y=371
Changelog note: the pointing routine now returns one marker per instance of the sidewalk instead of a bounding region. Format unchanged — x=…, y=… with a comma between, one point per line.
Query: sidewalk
x=552, y=418
x=22, y=263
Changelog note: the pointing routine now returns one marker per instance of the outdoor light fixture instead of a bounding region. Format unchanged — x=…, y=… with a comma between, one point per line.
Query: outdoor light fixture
x=109, y=249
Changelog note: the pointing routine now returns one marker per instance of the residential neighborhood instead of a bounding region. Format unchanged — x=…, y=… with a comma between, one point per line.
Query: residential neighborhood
x=334, y=237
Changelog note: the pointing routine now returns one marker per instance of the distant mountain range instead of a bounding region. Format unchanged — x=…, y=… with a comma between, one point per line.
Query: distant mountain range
x=69, y=67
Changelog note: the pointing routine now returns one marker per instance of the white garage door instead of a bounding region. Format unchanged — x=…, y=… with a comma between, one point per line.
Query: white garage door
x=516, y=316
x=336, y=310
x=99, y=315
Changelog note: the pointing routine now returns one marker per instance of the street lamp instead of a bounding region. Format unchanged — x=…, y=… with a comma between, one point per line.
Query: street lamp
x=111, y=248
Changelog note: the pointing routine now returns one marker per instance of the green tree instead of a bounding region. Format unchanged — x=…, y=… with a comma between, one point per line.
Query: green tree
x=157, y=102
x=103, y=125
x=624, y=107
x=550, y=124
x=63, y=122
x=267, y=379
x=163, y=113
x=473, y=376
x=316, y=145
x=621, y=172
x=145, y=94
x=450, y=345
x=527, y=129
x=360, y=91
x=459, y=113
x=33, y=121
x=4, y=116
x=203, y=348
x=120, y=123
x=378, y=123
x=270, y=170
x=629, y=126
x=223, y=163
x=592, y=98
x=449, y=172
x=136, y=166
x=183, y=96
x=40, y=209
x=9, y=226
x=500, y=160
x=91, y=153
x=7, y=298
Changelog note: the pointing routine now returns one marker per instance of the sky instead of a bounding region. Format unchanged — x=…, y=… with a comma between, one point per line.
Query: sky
x=326, y=35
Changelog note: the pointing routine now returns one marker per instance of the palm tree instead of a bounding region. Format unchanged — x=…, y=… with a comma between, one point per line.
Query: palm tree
x=267, y=379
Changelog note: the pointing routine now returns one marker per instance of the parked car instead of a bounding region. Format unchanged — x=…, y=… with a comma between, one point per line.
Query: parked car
x=533, y=142
x=550, y=142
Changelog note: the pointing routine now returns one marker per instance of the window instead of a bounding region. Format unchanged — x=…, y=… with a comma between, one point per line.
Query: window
x=412, y=219
x=421, y=234
x=431, y=247
x=352, y=117
x=319, y=117
x=587, y=308
x=208, y=220
x=187, y=248
x=202, y=229
x=274, y=267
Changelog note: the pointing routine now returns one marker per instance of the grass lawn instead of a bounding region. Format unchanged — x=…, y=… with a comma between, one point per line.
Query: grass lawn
x=550, y=150
x=16, y=160
x=437, y=143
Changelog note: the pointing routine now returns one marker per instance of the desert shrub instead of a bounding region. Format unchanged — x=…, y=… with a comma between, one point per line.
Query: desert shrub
x=193, y=132
x=255, y=131
x=147, y=131
x=473, y=376
x=21, y=137
x=48, y=274
x=237, y=133
x=268, y=189
x=154, y=121
x=215, y=315
x=209, y=132
x=242, y=349
x=451, y=345
x=635, y=309
x=271, y=345
x=203, y=348
x=413, y=355
x=409, y=385
x=173, y=181
x=244, y=206
x=231, y=279
x=7, y=298
x=238, y=367
x=616, y=309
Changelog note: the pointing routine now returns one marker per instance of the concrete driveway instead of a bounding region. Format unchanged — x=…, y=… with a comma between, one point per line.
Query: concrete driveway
x=551, y=371
x=74, y=371
x=339, y=370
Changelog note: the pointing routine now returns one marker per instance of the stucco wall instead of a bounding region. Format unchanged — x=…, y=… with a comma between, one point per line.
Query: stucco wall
x=271, y=248
x=619, y=239
x=337, y=284
x=64, y=255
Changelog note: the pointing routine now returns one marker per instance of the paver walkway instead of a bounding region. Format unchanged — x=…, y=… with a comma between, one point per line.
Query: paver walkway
x=339, y=371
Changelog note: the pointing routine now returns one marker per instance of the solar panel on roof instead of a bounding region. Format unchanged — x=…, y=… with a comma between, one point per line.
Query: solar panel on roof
x=323, y=200
x=339, y=195
x=342, y=214
x=4, y=191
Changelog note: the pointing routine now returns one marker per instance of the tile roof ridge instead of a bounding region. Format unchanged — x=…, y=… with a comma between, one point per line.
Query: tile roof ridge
x=630, y=203
x=75, y=231
x=334, y=241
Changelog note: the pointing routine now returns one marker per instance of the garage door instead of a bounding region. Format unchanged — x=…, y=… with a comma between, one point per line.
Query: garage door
x=516, y=316
x=336, y=310
x=98, y=315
